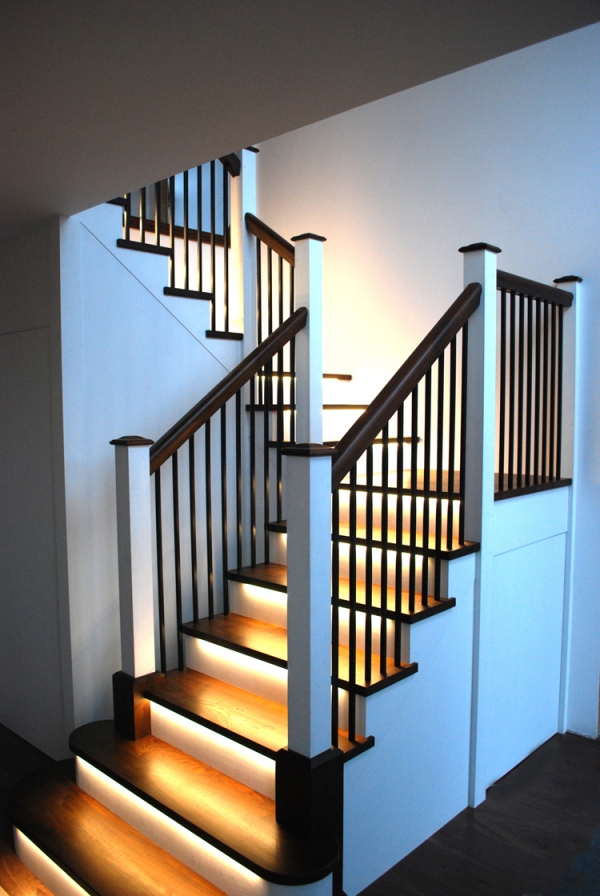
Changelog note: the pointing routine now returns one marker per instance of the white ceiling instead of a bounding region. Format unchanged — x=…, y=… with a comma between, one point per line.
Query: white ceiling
x=100, y=96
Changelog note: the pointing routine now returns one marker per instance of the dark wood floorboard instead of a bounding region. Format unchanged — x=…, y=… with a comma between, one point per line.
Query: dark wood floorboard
x=521, y=840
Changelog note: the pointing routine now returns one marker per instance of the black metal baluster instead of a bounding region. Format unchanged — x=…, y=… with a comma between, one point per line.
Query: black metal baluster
x=463, y=431
x=502, y=420
x=352, y=612
x=399, y=527
x=210, y=577
x=200, y=241
x=335, y=616
x=186, y=240
x=545, y=397
x=269, y=291
x=128, y=216
x=224, y=528
x=143, y=215
x=369, y=566
x=238, y=477
x=280, y=289
x=280, y=435
x=172, y=231
x=439, y=476
x=426, y=490
x=383, y=577
x=213, y=250
x=511, y=395
x=412, y=537
x=160, y=573
x=226, y=248
x=177, y=559
x=536, y=437
x=560, y=394
x=520, y=390
x=451, y=446
x=157, y=213
x=193, y=543
x=552, y=415
x=268, y=401
x=529, y=411
x=253, y=471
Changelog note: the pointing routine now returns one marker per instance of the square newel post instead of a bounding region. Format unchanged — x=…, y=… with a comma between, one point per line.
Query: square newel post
x=480, y=454
x=136, y=600
x=309, y=774
x=243, y=245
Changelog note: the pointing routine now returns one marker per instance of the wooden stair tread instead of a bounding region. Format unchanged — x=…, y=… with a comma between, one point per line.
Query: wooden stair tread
x=252, y=637
x=231, y=816
x=274, y=576
x=16, y=879
x=253, y=721
x=103, y=854
x=247, y=635
x=250, y=720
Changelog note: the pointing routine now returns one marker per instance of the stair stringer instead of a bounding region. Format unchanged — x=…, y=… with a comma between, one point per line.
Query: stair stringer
x=417, y=777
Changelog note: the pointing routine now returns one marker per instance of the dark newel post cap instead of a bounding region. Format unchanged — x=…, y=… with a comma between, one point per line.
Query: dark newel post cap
x=476, y=247
x=309, y=449
x=132, y=441
x=309, y=236
x=570, y=278
x=251, y=148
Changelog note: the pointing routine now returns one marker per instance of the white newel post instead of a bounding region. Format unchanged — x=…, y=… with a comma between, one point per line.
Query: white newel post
x=308, y=503
x=134, y=536
x=480, y=267
x=243, y=245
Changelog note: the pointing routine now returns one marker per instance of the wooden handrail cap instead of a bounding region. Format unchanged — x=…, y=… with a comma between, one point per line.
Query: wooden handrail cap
x=132, y=441
x=569, y=278
x=309, y=236
x=477, y=247
x=309, y=449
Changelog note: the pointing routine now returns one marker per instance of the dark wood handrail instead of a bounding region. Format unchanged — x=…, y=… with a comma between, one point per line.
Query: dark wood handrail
x=363, y=432
x=514, y=283
x=191, y=422
x=271, y=238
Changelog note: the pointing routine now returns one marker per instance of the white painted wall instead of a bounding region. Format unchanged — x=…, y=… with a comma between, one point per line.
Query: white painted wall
x=36, y=695
x=505, y=152
x=134, y=361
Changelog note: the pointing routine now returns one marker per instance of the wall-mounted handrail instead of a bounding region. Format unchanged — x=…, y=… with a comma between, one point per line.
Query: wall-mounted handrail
x=191, y=422
x=533, y=289
x=271, y=238
x=363, y=432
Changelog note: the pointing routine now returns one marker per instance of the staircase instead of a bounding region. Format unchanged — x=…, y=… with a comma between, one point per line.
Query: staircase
x=202, y=783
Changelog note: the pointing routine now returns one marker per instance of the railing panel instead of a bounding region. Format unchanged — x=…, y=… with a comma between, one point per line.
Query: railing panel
x=397, y=509
x=529, y=384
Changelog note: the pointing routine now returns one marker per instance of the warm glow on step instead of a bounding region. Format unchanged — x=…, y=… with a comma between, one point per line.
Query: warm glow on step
x=44, y=868
x=197, y=854
x=258, y=603
x=258, y=677
x=239, y=762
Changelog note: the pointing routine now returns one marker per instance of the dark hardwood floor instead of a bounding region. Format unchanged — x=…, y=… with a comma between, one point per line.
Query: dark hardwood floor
x=521, y=840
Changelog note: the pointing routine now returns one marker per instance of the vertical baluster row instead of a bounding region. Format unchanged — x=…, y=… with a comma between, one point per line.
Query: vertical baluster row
x=529, y=401
x=451, y=445
x=520, y=389
x=559, y=398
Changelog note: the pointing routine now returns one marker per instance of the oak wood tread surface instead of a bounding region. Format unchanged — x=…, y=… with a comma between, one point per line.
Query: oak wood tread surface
x=227, y=814
x=274, y=577
x=252, y=721
x=16, y=879
x=100, y=851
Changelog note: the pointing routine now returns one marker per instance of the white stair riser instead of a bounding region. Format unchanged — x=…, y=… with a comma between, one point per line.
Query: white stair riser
x=238, y=762
x=259, y=677
x=232, y=877
x=57, y=880
x=258, y=603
